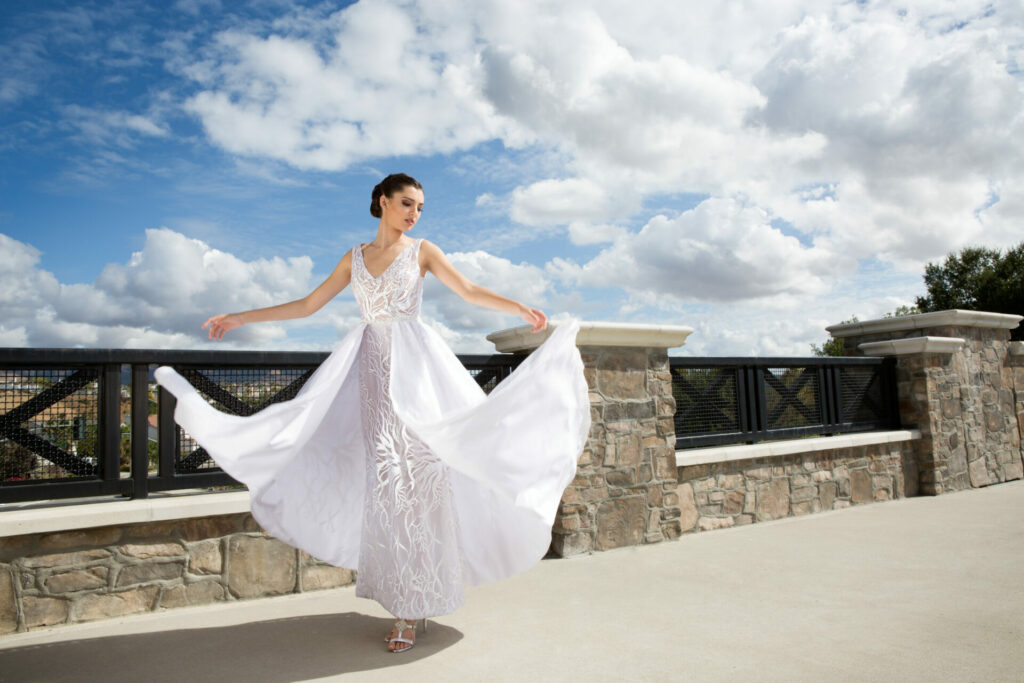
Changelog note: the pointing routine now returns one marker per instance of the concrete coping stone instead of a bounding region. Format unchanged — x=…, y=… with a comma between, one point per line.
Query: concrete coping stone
x=911, y=345
x=68, y=515
x=594, y=333
x=768, y=449
x=955, y=317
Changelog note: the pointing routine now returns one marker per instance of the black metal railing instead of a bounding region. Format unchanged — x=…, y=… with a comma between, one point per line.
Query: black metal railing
x=91, y=422
x=745, y=400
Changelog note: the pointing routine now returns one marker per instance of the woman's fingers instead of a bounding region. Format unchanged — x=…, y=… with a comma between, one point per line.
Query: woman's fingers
x=217, y=329
x=539, y=321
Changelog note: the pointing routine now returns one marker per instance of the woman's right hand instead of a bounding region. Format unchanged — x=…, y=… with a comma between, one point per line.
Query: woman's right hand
x=219, y=324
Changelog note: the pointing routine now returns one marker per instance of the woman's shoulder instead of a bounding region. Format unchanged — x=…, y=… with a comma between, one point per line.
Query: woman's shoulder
x=426, y=244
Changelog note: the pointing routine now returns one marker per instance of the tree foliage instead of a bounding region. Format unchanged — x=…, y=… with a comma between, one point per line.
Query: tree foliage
x=834, y=345
x=977, y=279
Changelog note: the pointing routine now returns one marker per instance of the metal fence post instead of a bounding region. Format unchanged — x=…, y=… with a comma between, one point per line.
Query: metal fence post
x=109, y=435
x=140, y=430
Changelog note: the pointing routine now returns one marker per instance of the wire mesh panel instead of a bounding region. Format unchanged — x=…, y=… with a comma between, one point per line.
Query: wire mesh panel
x=792, y=397
x=862, y=398
x=737, y=400
x=239, y=391
x=707, y=400
x=49, y=424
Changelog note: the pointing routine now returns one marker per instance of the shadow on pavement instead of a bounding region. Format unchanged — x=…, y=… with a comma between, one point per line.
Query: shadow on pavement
x=278, y=650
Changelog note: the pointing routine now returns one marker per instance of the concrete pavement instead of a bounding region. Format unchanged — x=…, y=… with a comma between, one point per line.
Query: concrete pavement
x=915, y=589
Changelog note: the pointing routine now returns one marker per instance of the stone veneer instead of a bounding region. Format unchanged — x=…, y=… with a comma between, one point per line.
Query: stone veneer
x=961, y=395
x=624, y=492
x=82, y=575
x=731, y=493
x=1017, y=373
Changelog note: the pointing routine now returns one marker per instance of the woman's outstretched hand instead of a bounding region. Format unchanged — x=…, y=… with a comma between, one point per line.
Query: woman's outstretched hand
x=219, y=324
x=535, y=317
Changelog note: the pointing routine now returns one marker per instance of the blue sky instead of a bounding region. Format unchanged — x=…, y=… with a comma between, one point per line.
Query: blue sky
x=755, y=172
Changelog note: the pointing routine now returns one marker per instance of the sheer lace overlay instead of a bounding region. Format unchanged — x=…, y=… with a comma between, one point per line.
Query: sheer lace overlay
x=394, y=294
x=409, y=557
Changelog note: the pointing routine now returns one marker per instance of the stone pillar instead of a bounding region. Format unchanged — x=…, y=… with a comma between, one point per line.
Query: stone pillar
x=624, y=492
x=956, y=384
x=1017, y=372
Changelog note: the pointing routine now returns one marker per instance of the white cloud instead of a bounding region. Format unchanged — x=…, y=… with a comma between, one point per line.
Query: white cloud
x=366, y=84
x=911, y=112
x=718, y=251
x=887, y=131
x=581, y=232
x=561, y=201
x=160, y=297
x=105, y=126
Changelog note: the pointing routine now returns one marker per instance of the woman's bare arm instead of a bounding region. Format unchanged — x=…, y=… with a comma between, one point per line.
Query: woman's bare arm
x=438, y=264
x=300, y=308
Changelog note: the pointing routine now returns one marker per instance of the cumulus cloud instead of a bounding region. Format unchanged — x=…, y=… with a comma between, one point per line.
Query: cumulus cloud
x=159, y=298
x=911, y=112
x=835, y=142
x=719, y=251
x=363, y=83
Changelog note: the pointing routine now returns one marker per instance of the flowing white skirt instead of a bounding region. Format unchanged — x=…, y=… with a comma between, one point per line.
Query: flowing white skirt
x=509, y=454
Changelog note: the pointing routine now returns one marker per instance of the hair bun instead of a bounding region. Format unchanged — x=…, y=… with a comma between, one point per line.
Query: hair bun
x=388, y=186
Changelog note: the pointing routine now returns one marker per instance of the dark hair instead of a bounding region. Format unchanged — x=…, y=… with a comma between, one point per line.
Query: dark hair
x=387, y=187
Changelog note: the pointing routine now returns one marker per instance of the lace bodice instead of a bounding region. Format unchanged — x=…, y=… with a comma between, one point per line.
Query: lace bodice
x=396, y=294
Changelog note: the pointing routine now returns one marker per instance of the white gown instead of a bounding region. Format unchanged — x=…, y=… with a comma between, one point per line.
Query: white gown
x=392, y=460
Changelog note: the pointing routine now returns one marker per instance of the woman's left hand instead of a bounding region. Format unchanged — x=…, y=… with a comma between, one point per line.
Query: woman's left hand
x=535, y=317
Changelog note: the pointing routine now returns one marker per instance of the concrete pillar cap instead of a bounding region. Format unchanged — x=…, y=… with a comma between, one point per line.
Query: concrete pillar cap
x=952, y=318
x=594, y=333
x=904, y=347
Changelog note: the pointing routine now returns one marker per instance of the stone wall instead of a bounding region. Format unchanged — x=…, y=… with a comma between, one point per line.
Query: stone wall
x=961, y=400
x=624, y=492
x=1016, y=370
x=77, y=576
x=731, y=493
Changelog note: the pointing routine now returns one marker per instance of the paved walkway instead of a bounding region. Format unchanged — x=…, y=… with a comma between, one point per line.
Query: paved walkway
x=919, y=589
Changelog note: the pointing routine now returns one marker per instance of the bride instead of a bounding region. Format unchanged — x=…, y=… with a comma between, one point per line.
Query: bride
x=391, y=458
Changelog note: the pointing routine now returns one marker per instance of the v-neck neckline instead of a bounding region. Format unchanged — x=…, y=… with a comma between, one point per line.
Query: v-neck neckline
x=367, y=271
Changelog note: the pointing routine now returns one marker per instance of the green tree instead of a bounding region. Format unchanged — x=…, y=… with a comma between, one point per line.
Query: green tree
x=833, y=346
x=977, y=279
x=903, y=310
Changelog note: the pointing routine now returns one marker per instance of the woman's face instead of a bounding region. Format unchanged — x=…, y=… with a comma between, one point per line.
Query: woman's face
x=402, y=209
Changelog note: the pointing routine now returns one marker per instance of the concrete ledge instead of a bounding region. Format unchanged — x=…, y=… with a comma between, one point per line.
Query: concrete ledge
x=955, y=317
x=594, y=334
x=14, y=522
x=702, y=456
x=910, y=345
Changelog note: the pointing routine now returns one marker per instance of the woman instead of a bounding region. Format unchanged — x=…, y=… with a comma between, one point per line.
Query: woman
x=391, y=459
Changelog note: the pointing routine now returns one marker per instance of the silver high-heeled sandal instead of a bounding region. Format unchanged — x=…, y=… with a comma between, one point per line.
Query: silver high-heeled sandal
x=400, y=626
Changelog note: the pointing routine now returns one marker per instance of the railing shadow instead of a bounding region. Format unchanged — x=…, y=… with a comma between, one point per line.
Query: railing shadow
x=276, y=650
